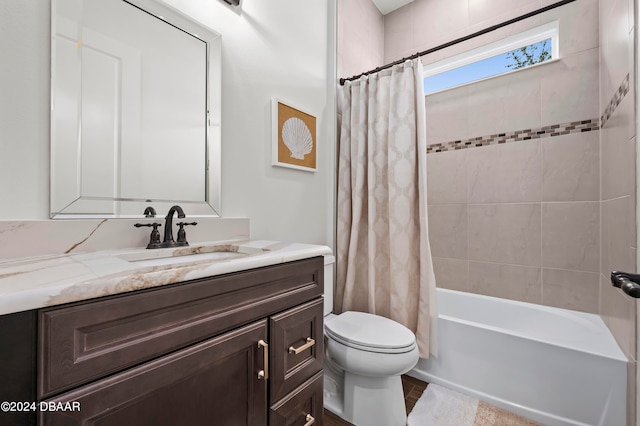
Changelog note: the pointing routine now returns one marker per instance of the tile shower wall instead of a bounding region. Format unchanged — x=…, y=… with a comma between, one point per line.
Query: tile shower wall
x=360, y=37
x=618, y=178
x=513, y=161
x=519, y=220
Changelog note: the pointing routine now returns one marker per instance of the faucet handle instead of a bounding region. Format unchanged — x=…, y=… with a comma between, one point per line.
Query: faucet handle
x=154, y=224
x=182, y=235
x=154, y=239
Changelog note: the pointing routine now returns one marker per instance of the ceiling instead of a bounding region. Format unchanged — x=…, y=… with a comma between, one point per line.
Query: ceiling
x=386, y=6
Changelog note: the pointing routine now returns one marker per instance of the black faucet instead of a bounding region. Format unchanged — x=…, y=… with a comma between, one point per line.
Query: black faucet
x=154, y=241
x=168, y=227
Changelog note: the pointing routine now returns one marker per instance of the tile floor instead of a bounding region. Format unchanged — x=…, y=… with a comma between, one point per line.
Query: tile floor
x=413, y=389
x=487, y=415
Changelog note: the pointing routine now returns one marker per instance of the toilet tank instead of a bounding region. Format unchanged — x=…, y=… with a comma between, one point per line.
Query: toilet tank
x=329, y=262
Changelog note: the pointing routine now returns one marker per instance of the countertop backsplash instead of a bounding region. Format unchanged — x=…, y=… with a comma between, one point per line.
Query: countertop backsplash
x=19, y=239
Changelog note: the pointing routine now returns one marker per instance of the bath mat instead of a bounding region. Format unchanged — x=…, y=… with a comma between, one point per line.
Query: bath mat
x=439, y=406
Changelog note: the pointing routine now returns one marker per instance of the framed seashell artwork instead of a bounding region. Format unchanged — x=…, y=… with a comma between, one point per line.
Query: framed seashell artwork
x=294, y=137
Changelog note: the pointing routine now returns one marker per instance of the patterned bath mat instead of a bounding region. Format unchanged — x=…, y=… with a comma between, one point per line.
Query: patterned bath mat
x=440, y=406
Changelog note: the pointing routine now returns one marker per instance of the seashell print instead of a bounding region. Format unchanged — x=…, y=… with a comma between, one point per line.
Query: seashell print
x=297, y=137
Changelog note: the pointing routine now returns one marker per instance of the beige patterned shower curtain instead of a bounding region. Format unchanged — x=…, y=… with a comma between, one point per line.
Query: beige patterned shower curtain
x=383, y=256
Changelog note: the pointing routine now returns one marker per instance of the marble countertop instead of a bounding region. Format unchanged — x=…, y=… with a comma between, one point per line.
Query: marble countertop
x=38, y=282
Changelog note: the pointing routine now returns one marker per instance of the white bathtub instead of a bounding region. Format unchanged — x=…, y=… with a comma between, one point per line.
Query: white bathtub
x=554, y=366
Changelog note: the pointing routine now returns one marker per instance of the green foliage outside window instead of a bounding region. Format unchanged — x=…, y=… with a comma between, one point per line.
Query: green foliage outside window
x=529, y=55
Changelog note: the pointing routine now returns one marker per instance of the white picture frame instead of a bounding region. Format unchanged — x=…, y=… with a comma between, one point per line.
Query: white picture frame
x=294, y=136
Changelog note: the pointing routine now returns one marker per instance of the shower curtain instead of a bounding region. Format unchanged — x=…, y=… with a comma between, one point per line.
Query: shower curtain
x=383, y=256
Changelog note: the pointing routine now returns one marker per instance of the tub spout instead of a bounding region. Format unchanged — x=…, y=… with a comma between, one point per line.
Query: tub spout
x=627, y=282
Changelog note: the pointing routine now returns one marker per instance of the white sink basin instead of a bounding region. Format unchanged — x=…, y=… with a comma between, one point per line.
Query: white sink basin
x=213, y=257
x=186, y=254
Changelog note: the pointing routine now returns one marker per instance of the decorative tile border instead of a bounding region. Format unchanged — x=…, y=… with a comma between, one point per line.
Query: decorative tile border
x=539, y=133
x=518, y=135
x=615, y=101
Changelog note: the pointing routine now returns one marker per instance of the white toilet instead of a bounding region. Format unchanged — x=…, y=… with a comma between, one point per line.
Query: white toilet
x=365, y=355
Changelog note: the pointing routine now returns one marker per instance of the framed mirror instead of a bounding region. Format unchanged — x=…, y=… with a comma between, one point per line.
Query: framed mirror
x=135, y=110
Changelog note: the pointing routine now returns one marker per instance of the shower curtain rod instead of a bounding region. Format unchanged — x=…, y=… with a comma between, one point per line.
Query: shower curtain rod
x=461, y=39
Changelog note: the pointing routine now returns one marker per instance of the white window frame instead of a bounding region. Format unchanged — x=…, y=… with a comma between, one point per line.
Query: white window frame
x=550, y=30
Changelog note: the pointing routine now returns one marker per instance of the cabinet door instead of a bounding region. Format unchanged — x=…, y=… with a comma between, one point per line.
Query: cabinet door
x=302, y=407
x=297, y=347
x=211, y=383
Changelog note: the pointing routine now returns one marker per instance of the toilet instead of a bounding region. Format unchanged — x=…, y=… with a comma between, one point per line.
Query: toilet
x=365, y=355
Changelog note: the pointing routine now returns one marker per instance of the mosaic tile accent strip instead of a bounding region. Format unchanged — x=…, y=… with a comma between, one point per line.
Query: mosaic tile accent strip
x=518, y=135
x=615, y=101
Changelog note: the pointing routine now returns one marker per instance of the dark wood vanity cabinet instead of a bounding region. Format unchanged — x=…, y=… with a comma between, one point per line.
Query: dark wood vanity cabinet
x=239, y=349
x=212, y=380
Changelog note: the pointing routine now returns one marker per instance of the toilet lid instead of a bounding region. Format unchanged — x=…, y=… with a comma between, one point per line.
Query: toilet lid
x=371, y=333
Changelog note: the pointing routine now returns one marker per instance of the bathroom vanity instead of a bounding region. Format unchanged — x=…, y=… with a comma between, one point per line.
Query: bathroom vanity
x=239, y=344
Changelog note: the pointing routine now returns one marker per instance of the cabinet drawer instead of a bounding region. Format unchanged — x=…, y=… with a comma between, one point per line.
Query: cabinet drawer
x=301, y=407
x=89, y=340
x=214, y=380
x=295, y=330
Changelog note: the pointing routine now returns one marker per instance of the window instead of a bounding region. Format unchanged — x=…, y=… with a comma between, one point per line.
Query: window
x=515, y=52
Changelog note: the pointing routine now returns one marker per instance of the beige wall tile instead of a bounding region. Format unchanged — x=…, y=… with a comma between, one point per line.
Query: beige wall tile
x=631, y=388
x=447, y=177
x=434, y=19
x=633, y=231
x=606, y=86
x=604, y=239
x=619, y=312
x=360, y=37
x=507, y=281
x=618, y=153
x=571, y=167
x=569, y=88
x=571, y=236
x=578, y=25
x=496, y=11
x=451, y=273
x=508, y=173
x=617, y=240
x=505, y=233
x=571, y=289
x=447, y=115
x=614, y=39
x=508, y=103
x=398, y=33
x=448, y=234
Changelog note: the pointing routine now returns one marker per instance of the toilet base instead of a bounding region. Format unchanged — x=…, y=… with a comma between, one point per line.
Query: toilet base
x=374, y=400
x=365, y=401
x=333, y=392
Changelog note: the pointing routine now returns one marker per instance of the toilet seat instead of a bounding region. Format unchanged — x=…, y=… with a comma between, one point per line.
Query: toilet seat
x=370, y=333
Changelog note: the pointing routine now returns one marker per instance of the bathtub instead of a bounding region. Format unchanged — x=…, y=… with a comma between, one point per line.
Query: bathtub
x=551, y=365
